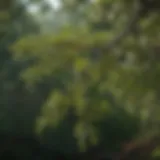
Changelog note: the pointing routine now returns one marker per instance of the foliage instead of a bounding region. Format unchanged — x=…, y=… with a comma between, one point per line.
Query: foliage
x=156, y=152
x=83, y=72
x=14, y=97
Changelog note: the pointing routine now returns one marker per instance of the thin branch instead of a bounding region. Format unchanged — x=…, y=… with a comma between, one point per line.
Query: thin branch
x=133, y=19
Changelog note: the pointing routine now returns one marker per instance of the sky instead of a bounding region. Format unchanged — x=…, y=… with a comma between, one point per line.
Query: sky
x=33, y=8
x=55, y=3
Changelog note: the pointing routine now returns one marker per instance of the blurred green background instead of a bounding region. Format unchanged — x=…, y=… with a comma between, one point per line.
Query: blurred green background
x=63, y=78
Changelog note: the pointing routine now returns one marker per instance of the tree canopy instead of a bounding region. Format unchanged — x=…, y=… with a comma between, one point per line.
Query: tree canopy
x=102, y=61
